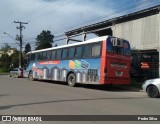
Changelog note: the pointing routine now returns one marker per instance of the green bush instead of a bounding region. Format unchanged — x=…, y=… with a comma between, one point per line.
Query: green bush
x=4, y=70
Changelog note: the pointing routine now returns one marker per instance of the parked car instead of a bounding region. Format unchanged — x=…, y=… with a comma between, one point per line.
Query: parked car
x=16, y=72
x=152, y=87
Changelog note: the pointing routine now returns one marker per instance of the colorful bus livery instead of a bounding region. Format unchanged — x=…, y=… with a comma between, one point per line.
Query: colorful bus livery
x=102, y=60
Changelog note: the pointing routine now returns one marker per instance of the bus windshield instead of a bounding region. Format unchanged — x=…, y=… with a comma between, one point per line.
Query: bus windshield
x=118, y=46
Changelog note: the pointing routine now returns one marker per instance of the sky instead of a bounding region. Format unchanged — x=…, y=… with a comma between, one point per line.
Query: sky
x=59, y=16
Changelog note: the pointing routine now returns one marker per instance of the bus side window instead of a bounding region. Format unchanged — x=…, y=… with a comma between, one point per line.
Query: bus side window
x=58, y=55
x=64, y=53
x=36, y=56
x=44, y=55
x=96, y=49
x=40, y=56
x=71, y=52
x=32, y=57
x=86, y=50
x=53, y=54
x=48, y=57
x=78, y=52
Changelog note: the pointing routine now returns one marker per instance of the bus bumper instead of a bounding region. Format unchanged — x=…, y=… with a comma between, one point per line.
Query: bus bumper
x=116, y=81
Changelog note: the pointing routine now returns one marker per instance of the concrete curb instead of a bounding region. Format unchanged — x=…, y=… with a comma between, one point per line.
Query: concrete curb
x=4, y=73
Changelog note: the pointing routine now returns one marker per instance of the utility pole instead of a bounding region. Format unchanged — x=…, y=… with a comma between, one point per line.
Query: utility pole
x=20, y=39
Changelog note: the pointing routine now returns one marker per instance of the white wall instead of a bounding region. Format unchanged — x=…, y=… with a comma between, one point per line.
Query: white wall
x=142, y=33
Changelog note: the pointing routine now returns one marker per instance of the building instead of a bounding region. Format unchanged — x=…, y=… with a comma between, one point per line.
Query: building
x=11, y=51
x=1, y=53
x=141, y=28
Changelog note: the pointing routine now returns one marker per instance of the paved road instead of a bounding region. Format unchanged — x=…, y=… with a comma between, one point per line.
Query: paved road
x=19, y=96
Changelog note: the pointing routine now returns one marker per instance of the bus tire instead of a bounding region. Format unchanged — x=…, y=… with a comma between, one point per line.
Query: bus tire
x=30, y=76
x=71, y=80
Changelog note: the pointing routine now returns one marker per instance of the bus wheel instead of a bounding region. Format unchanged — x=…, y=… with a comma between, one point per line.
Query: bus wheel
x=71, y=80
x=31, y=76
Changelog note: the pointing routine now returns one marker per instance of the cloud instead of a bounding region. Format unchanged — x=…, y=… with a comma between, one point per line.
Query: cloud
x=56, y=15
x=60, y=16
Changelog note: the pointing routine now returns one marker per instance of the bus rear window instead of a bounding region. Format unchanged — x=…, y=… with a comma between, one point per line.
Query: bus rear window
x=118, y=46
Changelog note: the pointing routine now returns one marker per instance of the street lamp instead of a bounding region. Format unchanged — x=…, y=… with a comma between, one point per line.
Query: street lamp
x=12, y=38
x=20, y=54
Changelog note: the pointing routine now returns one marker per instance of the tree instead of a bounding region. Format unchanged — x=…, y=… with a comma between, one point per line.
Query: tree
x=27, y=48
x=5, y=48
x=44, y=40
x=4, y=62
x=15, y=59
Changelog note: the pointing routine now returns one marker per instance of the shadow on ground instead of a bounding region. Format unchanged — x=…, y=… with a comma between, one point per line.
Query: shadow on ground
x=67, y=100
x=1, y=95
x=111, y=88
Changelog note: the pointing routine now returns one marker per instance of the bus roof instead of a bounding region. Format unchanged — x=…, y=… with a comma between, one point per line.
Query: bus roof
x=98, y=39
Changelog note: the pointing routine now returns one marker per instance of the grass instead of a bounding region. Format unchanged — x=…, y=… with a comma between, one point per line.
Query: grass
x=4, y=71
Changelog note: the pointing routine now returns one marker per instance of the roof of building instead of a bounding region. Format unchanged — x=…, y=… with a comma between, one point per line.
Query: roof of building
x=1, y=52
x=100, y=28
x=12, y=49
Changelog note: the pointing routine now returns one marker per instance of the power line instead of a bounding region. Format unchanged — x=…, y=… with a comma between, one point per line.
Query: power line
x=91, y=20
x=64, y=3
x=61, y=35
x=33, y=11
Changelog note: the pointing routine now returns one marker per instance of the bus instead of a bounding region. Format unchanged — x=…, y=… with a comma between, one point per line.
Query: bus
x=145, y=64
x=101, y=60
